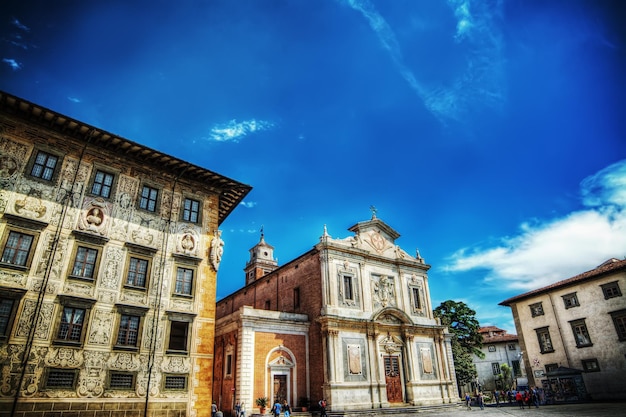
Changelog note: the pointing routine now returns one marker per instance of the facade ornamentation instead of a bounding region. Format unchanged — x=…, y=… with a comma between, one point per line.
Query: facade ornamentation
x=217, y=249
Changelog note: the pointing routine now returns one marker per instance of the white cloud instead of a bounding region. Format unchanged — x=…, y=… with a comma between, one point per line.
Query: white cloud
x=479, y=83
x=12, y=63
x=248, y=204
x=234, y=130
x=19, y=25
x=549, y=251
x=74, y=99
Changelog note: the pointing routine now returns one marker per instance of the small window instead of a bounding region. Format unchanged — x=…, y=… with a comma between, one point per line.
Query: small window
x=191, y=210
x=611, y=290
x=44, y=166
x=268, y=304
x=148, y=200
x=61, y=379
x=517, y=368
x=128, y=331
x=121, y=380
x=581, y=335
x=184, y=281
x=491, y=348
x=619, y=321
x=536, y=309
x=296, y=297
x=228, y=367
x=85, y=263
x=9, y=301
x=550, y=367
x=417, y=300
x=137, y=275
x=102, y=184
x=17, y=249
x=178, y=337
x=570, y=300
x=590, y=365
x=348, y=291
x=545, y=342
x=175, y=382
x=495, y=368
x=511, y=346
x=71, y=328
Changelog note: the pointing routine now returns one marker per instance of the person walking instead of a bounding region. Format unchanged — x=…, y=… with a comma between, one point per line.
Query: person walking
x=276, y=408
x=481, y=401
x=496, y=395
x=286, y=408
x=520, y=399
x=322, y=405
x=468, y=401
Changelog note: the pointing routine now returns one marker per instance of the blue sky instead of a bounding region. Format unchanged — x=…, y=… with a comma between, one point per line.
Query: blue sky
x=490, y=134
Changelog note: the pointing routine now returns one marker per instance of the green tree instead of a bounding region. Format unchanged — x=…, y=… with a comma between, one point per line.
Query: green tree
x=506, y=372
x=467, y=341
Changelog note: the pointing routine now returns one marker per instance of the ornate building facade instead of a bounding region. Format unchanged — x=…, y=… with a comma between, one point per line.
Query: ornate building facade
x=109, y=253
x=350, y=321
x=573, y=334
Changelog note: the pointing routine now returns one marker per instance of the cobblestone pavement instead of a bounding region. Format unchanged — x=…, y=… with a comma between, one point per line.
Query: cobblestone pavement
x=563, y=410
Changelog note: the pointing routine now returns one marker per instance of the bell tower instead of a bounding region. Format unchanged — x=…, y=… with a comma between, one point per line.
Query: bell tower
x=261, y=261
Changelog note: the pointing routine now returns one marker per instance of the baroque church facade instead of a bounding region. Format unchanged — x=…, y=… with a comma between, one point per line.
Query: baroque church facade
x=350, y=321
x=109, y=254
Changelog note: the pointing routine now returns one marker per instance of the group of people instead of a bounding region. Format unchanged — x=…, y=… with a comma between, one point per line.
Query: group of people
x=277, y=408
x=522, y=398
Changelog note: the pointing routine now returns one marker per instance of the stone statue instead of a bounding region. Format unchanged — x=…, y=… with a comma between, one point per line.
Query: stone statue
x=217, y=250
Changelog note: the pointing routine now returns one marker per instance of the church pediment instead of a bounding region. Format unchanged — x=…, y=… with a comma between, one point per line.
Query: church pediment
x=281, y=361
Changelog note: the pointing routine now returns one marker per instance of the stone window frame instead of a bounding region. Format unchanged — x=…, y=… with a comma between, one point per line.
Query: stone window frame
x=179, y=317
x=15, y=295
x=24, y=226
x=70, y=301
x=31, y=250
x=157, y=201
x=28, y=170
x=536, y=309
x=416, y=293
x=106, y=170
x=143, y=253
x=579, y=328
x=199, y=213
x=611, y=290
x=169, y=377
x=347, y=280
x=495, y=368
x=570, y=300
x=590, y=365
x=113, y=372
x=192, y=284
x=51, y=371
x=511, y=346
x=545, y=343
x=132, y=311
x=491, y=348
x=619, y=321
x=228, y=361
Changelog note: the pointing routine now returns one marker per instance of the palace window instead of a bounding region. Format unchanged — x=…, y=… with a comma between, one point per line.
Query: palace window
x=44, y=166
x=85, y=262
x=73, y=320
x=137, y=274
x=178, y=337
x=61, y=378
x=581, y=335
x=570, y=300
x=121, y=380
x=536, y=309
x=184, y=281
x=416, y=299
x=348, y=290
x=128, y=331
x=545, y=342
x=102, y=184
x=619, y=321
x=9, y=301
x=175, y=382
x=611, y=290
x=191, y=210
x=148, y=198
x=17, y=249
x=495, y=368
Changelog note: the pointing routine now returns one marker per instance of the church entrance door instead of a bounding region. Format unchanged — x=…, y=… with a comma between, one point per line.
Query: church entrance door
x=392, y=379
x=280, y=388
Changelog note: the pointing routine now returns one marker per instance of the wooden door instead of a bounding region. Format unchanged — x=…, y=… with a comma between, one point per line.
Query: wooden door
x=392, y=379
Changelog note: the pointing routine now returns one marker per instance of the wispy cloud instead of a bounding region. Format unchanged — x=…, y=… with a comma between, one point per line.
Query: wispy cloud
x=235, y=131
x=74, y=99
x=248, y=204
x=12, y=63
x=479, y=84
x=15, y=22
x=547, y=251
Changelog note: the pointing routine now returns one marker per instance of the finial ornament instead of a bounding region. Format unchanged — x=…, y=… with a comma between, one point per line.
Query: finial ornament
x=373, y=210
